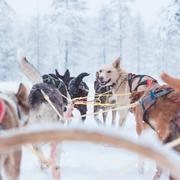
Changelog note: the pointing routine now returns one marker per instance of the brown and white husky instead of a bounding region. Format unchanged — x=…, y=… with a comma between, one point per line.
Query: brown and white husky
x=41, y=112
x=13, y=108
x=123, y=83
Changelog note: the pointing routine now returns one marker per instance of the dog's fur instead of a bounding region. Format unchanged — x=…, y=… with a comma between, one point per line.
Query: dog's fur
x=65, y=78
x=113, y=75
x=76, y=88
x=164, y=115
x=100, y=98
x=55, y=81
x=40, y=110
x=16, y=107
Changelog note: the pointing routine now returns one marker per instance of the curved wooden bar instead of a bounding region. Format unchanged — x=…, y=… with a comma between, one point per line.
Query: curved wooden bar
x=28, y=136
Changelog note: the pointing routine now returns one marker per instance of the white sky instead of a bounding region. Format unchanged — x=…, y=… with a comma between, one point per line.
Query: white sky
x=148, y=9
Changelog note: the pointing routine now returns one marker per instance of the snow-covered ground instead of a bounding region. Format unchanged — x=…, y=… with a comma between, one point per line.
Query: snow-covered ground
x=87, y=161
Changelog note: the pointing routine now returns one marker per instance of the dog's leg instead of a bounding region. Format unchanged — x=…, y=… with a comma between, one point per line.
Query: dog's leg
x=12, y=165
x=123, y=115
x=96, y=114
x=141, y=165
x=113, y=117
x=83, y=110
x=55, y=157
x=104, y=114
x=43, y=164
x=158, y=173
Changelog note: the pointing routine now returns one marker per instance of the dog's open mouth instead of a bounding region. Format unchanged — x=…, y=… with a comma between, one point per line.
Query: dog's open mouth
x=104, y=82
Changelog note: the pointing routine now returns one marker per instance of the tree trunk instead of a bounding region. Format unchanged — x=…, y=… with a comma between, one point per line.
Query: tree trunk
x=120, y=27
x=66, y=55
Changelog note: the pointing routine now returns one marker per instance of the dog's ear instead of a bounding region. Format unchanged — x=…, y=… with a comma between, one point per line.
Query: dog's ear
x=58, y=75
x=67, y=75
x=22, y=95
x=97, y=76
x=79, y=78
x=116, y=63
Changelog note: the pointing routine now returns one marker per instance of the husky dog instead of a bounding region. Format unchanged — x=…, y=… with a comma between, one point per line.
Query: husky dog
x=40, y=110
x=53, y=80
x=76, y=88
x=158, y=108
x=123, y=83
x=103, y=94
x=13, y=107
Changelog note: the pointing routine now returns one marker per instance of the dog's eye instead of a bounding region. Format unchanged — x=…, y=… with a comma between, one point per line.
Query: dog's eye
x=100, y=71
x=109, y=71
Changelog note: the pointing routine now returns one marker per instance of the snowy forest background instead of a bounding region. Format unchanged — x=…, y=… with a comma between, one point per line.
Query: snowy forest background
x=68, y=36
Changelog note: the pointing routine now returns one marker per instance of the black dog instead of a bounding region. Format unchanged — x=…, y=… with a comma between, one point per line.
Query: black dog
x=65, y=78
x=36, y=98
x=103, y=95
x=52, y=79
x=76, y=88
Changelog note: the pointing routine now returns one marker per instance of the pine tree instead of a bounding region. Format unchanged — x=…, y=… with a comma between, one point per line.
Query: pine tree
x=69, y=20
x=170, y=35
x=7, y=43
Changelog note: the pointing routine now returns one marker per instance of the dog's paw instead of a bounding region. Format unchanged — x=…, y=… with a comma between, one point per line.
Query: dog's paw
x=56, y=172
x=141, y=170
x=141, y=166
x=44, y=165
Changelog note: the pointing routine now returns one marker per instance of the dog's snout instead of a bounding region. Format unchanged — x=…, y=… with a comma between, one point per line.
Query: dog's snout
x=101, y=79
x=65, y=109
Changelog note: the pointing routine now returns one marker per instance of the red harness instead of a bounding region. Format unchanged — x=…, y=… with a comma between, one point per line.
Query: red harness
x=149, y=82
x=2, y=110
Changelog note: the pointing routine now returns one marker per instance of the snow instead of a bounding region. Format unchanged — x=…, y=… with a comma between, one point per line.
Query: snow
x=83, y=160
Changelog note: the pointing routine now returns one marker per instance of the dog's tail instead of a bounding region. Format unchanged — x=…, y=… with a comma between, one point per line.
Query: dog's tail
x=173, y=82
x=28, y=69
x=80, y=77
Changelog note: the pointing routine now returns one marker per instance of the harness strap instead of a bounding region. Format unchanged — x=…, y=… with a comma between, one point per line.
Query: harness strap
x=154, y=94
x=147, y=82
x=145, y=114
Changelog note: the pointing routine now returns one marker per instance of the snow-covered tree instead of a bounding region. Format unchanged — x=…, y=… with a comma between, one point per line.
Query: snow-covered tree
x=68, y=18
x=7, y=43
x=169, y=31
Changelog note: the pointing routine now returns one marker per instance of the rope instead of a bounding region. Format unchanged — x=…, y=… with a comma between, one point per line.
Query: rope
x=39, y=155
x=49, y=162
x=46, y=97
x=113, y=109
x=103, y=94
x=174, y=143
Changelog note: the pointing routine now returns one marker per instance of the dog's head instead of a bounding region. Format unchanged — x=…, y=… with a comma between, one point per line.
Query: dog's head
x=65, y=78
x=19, y=101
x=22, y=101
x=77, y=87
x=108, y=74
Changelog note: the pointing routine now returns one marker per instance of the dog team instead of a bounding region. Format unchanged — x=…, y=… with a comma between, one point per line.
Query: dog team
x=155, y=106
